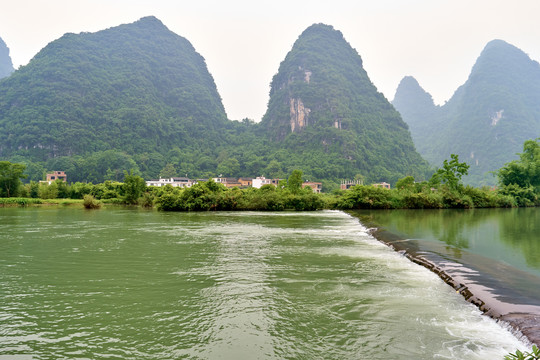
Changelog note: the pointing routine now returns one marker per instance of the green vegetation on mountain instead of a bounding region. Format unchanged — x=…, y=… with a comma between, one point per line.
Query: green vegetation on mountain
x=133, y=93
x=324, y=113
x=6, y=66
x=444, y=190
x=139, y=98
x=519, y=182
x=418, y=110
x=486, y=120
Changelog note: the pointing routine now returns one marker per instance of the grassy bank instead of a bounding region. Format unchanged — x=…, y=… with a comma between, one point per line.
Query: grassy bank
x=24, y=202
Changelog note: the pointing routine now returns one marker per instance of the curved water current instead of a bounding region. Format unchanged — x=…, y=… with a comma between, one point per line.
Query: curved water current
x=119, y=284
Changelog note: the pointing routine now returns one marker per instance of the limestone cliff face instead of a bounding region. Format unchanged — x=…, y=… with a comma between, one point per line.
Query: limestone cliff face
x=299, y=115
x=323, y=107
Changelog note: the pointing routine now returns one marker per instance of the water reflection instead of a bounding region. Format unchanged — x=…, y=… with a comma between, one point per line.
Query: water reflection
x=520, y=228
x=509, y=235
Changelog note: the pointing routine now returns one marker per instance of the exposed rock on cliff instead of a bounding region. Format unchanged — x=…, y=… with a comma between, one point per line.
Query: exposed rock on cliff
x=488, y=118
x=323, y=102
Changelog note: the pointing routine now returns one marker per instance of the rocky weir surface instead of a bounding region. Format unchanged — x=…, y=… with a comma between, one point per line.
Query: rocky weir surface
x=478, y=281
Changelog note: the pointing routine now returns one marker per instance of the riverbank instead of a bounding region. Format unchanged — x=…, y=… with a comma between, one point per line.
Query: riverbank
x=474, y=278
x=77, y=203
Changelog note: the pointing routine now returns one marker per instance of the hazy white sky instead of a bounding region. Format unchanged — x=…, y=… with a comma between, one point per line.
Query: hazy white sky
x=244, y=41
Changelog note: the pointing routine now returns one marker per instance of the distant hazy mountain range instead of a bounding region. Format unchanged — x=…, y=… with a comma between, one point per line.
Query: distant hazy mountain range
x=487, y=119
x=139, y=96
x=6, y=66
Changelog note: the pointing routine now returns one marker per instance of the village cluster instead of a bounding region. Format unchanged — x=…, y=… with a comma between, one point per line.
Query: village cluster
x=257, y=182
x=242, y=182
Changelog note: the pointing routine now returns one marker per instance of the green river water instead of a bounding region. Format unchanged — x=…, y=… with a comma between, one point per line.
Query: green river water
x=497, y=249
x=133, y=284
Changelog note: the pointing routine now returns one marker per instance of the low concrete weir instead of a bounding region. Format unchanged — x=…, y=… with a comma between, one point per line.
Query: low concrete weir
x=524, y=318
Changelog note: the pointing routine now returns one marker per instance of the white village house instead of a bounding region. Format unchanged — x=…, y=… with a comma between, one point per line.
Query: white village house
x=260, y=181
x=174, y=181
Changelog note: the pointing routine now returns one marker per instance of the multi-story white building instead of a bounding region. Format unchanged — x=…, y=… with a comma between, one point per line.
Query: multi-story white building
x=174, y=181
x=260, y=181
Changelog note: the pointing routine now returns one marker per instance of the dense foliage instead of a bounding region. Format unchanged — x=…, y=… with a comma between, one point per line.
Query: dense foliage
x=10, y=178
x=89, y=202
x=443, y=190
x=521, y=178
x=137, y=97
x=87, y=101
x=486, y=120
x=451, y=172
x=325, y=114
x=214, y=196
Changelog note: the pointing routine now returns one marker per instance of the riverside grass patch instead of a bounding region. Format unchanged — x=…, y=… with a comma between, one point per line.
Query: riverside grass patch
x=19, y=201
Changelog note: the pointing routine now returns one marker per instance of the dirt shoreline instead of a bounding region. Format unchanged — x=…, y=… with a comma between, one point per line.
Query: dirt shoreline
x=522, y=318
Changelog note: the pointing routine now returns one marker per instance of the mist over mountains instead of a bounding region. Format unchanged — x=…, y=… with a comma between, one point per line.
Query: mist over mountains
x=138, y=96
x=487, y=119
x=6, y=65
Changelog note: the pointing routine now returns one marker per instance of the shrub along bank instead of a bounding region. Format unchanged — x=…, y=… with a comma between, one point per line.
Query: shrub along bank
x=212, y=196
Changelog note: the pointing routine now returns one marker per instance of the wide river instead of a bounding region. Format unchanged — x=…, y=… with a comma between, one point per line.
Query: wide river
x=133, y=284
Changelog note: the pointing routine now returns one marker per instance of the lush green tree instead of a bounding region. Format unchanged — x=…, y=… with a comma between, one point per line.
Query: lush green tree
x=451, y=173
x=78, y=190
x=48, y=191
x=248, y=121
x=366, y=196
x=168, y=171
x=405, y=183
x=63, y=189
x=113, y=174
x=201, y=196
x=33, y=189
x=524, y=172
x=90, y=202
x=35, y=171
x=133, y=187
x=273, y=170
x=229, y=167
x=10, y=178
x=294, y=182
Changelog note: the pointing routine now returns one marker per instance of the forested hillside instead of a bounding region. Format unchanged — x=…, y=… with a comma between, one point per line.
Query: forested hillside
x=6, y=66
x=138, y=96
x=325, y=112
x=418, y=110
x=129, y=93
x=487, y=119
